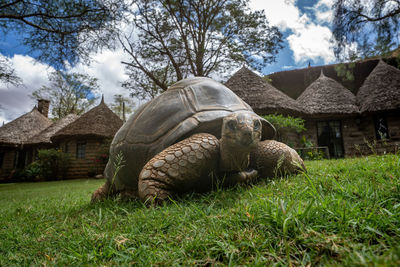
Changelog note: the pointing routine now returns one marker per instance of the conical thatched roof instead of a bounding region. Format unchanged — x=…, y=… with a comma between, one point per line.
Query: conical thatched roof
x=20, y=130
x=44, y=136
x=260, y=95
x=99, y=121
x=381, y=89
x=327, y=96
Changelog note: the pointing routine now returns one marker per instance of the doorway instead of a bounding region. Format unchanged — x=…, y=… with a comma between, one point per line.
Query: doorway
x=330, y=134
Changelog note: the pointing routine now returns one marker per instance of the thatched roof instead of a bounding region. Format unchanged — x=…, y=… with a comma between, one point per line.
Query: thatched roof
x=44, y=136
x=20, y=130
x=327, y=96
x=294, y=82
x=260, y=95
x=381, y=89
x=99, y=121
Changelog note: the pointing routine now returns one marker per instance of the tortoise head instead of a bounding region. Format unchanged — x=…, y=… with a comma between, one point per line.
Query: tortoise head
x=242, y=131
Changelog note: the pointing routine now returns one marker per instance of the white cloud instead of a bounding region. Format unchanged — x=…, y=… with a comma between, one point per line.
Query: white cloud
x=15, y=100
x=312, y=43
x=106, y=66
x=281, y=13
x=324, y=11
x=307, y=39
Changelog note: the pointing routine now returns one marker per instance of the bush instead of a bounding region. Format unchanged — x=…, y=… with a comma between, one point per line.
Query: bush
x=281, y=122
x=32, y=172
x=310, y=152
x=51, y=164
x=285, y=125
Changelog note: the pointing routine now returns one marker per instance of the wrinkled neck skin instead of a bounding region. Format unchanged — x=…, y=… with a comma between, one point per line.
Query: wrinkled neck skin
x=240, y=134
x=233, y=158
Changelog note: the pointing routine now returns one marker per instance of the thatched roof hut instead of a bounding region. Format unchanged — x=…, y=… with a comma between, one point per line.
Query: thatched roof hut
x=260, y=95
x=20, y=130
x=294, y=82
x=381, y=89
x=44, y=136
x=325, y=96
x=100, y=121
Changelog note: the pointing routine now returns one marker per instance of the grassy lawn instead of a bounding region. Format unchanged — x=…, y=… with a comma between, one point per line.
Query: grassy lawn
x=343, y=212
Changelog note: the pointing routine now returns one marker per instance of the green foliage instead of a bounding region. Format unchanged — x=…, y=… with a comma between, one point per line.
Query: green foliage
x=7, y=73
x=341, y=213
x=345, y=71
x=267, y=79
x=310, y=152
x=59, y=31
x=282, y=122
x=51, y=164
x=365, y=29
x=173, y=40
x=33, y=172
x=118, y=106
x=68, y=93
x=118, y=164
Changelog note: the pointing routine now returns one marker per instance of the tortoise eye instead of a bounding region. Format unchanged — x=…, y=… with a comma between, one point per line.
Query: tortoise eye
x=257, y=125
x=232, y=124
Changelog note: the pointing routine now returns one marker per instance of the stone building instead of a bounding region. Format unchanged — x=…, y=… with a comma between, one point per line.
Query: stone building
x=260, y=95
x=21, y=138
x=84, y=140
x=349, y=117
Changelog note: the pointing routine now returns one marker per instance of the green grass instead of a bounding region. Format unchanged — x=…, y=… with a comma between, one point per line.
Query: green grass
x=343, y=212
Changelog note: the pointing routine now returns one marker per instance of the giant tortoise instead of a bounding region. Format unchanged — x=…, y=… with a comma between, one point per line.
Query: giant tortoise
x=196, y=133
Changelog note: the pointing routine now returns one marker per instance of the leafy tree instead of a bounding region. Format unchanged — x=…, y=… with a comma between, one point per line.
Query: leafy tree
x=61, y=30
x=372, y=25
x=118, y=106
x=174, y=39
x=7, y=73
x=68, y=93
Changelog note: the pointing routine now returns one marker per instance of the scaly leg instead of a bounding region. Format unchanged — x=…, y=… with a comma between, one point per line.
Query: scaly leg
x=273, y=158
x=183, y=167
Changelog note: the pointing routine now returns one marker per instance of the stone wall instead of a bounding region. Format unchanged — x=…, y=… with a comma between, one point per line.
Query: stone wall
x=7, y=165
x=359, y=137
x=85, y=167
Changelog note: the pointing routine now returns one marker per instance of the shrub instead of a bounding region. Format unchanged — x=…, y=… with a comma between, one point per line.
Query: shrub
x=54, y=163
x=32, y=172
x=284, y=125
x=310, y=152
x=51, y=164
x=281, y=122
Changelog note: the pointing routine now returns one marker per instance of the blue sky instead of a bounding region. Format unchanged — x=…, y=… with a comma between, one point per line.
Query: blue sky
x=305, y=25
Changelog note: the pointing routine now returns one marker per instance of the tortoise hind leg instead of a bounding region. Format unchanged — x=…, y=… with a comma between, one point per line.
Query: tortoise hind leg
x=182, y=167
x=273, y=158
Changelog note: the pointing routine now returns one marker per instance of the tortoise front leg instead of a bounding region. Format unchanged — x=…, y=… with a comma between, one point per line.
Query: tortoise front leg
x=272, y=158
x=242, y=177
x=182, y=167
x=104, y=191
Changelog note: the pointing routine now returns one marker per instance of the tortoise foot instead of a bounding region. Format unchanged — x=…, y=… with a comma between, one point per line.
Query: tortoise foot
x=102, y=193
x=273, y=158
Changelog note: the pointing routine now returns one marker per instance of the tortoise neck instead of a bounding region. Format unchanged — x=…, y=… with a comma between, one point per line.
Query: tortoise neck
x=232, y=158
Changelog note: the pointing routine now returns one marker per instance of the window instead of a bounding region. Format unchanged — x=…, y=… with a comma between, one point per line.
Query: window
x=329, y=134
x=80, y=149
x=381, y=128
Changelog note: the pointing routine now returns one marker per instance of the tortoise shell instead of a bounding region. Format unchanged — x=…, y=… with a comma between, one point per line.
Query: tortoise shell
x=193, y=105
